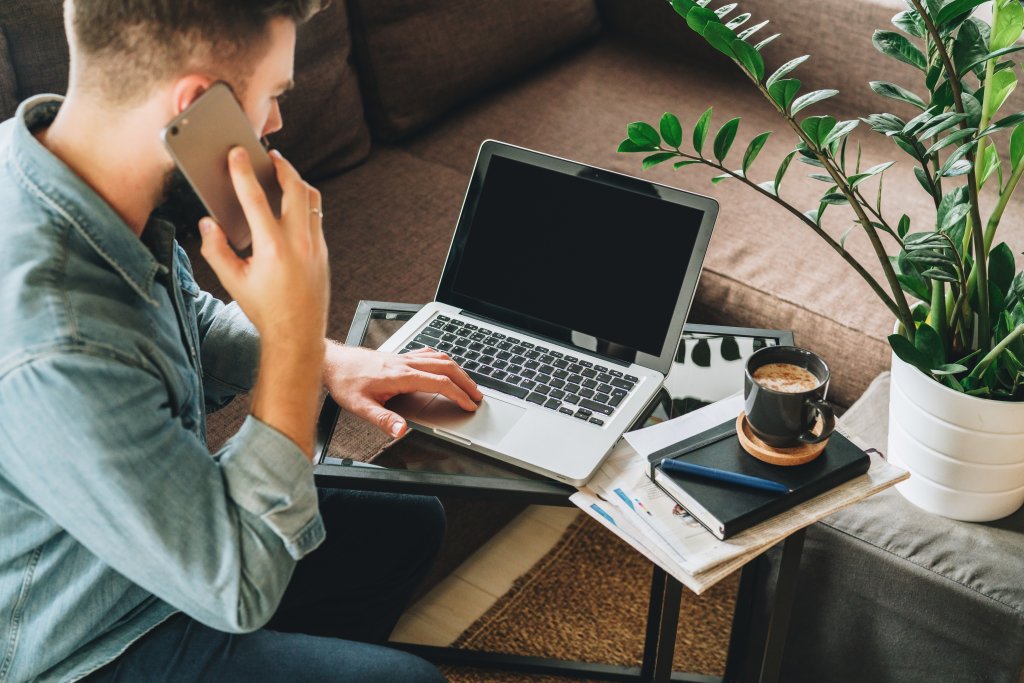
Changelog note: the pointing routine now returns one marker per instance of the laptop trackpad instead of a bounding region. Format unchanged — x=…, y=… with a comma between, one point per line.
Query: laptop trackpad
x=488, y=424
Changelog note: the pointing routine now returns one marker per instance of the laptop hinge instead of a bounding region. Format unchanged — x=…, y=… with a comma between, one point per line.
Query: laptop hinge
x=610, y=359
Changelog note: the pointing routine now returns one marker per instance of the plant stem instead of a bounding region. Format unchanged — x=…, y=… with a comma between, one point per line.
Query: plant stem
x=895, y=296
x=977, y=238
x=877, y=288
x=990, y=357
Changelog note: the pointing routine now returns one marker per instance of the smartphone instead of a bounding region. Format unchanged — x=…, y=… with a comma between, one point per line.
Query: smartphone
x=199, y=140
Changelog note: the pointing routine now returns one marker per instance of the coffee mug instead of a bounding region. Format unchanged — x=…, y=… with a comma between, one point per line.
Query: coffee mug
x=784, y=390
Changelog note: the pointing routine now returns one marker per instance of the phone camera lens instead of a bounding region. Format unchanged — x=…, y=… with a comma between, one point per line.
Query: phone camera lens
x=174, y=130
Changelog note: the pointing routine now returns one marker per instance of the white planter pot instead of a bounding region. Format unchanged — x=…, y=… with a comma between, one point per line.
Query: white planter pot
x=965, y=454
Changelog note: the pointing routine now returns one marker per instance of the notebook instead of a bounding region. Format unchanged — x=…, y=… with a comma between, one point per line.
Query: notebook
x=726, y=509
x=563, y=296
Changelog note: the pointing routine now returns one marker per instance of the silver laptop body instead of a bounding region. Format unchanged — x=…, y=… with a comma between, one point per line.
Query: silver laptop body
x=564, y=295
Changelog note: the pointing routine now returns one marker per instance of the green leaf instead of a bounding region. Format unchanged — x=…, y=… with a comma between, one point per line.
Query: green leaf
x=928, y=342
x=1009, y=25
x=643, y=134
x=753, y=149
x=950, y=139
x=857, y=178
x=671, y=130
x=682, y=7
x=898, y=47
x=818, y=127
x=961, y=167
x=679, y=164
x=954, y=216
x=724, y=10
x=842, y=238
x=904, y=226
x=699, y=17
x=1001, y=267
x=700, y=131
x=940, y=123
x=957, y=197
x=628, y=145
x=907, y=353
x=1017, y=146
x=810, y=98
x=987, y=165
x=1011, y=120
x=895, y=92
x=916, y=286
x=949, y=369
x=911, y=22
x=739, y=20
x=970, y=46
x=1000, y=86
x=719, y=37
x=658, y=158
x=724, y=176
x=962, y=70
x=766, y=41
x=782, y=170
x=724, y=139
x=783, y=92
x=834, y=199
x=750, y=58
x=954, y=8
x=785, y=69
x=843, y=128
x=751, y=30
x=922, y=179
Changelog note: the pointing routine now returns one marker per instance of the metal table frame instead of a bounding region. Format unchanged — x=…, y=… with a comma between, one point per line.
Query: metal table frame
x=665, y=592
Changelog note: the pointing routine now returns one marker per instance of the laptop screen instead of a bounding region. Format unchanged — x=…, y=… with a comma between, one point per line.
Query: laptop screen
x=582, y=256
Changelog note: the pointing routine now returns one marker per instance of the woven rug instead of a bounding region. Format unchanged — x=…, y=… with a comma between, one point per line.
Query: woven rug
x=587, y=600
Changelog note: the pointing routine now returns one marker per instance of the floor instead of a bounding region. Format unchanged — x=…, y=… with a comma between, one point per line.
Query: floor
x=440, y=616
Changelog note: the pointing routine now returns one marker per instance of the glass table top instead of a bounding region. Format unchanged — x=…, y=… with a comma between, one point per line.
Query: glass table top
x=708, y=367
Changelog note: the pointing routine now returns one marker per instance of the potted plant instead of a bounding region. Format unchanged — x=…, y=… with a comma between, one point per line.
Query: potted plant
x=957, y=397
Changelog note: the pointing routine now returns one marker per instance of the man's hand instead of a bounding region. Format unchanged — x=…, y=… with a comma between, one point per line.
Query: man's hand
x=283, y=289
x=361, y=381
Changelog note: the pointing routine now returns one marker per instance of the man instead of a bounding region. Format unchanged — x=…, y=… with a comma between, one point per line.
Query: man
x=127, y=553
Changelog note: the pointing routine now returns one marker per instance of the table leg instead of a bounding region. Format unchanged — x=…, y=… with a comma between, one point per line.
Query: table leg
x=667, y=630
x=654, y=606
x=785, y=592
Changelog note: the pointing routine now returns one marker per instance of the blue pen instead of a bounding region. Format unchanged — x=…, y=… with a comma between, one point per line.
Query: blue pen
x=683, y=467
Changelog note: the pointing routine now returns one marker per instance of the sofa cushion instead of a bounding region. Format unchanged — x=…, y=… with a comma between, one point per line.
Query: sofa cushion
x=37, y=50
x=419, y=58
x=324, y=129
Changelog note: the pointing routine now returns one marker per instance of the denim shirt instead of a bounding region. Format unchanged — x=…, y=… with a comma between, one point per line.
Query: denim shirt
x=113, y=513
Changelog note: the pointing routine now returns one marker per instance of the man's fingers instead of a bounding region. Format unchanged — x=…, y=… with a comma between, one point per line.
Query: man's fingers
x=250, y=193
x=388, y=422
x=444, y=385
x=450, y=369
x=294, y=190
x=218, y=253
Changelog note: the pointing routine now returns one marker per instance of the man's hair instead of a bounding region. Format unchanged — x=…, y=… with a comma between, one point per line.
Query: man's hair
x=130, y=45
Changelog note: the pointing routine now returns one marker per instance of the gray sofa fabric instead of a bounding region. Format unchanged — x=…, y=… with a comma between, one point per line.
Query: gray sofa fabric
x=888, y=592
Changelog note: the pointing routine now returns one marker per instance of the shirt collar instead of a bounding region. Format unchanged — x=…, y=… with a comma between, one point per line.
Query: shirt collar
x=60, y=188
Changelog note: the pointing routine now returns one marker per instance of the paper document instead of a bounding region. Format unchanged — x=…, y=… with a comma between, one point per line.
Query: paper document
x=624, y=499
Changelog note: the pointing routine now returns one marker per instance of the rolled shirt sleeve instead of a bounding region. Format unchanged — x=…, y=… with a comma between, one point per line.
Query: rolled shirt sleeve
x=216, y=537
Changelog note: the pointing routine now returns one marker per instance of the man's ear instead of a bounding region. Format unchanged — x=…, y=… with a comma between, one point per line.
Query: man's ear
x=187, y=90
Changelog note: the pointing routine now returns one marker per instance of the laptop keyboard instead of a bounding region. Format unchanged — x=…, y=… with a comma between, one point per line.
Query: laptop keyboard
x=568, y=385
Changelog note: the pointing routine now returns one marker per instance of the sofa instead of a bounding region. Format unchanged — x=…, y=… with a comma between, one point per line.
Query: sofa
x=394, y=97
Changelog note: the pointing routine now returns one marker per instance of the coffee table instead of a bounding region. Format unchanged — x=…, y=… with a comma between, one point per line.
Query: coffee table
x=708, y=367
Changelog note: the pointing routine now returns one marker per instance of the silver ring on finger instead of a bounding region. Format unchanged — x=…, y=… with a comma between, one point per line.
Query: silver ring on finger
x=318, y=212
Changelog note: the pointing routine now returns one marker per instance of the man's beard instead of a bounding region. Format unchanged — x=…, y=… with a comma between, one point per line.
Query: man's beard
x=178, y=203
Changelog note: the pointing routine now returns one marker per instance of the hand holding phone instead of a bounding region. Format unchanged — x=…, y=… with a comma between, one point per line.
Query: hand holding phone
x=199, y=139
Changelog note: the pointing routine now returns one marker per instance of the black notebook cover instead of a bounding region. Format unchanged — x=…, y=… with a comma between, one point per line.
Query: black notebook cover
x=726, y=509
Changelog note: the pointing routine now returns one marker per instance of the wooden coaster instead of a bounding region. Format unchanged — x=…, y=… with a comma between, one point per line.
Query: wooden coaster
x=796, y=455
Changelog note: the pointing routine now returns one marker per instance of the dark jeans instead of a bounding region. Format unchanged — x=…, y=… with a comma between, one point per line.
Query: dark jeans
x=343, y=600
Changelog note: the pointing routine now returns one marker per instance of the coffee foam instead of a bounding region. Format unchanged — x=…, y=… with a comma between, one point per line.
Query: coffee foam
x=786, y=378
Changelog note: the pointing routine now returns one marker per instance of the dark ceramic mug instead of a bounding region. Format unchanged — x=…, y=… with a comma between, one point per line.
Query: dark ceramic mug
x=784, y=419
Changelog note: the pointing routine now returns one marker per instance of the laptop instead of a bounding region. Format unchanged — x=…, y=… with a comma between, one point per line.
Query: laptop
x=563, y=296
